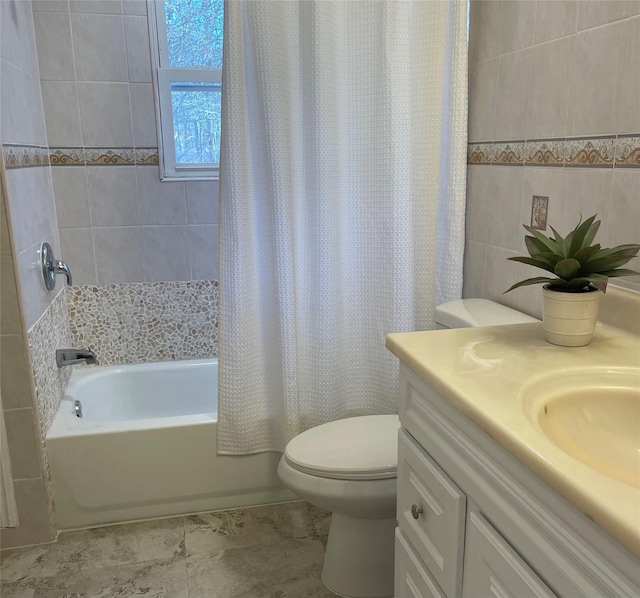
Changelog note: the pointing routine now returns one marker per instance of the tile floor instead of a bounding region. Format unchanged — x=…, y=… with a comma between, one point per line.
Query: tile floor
x=262, y=552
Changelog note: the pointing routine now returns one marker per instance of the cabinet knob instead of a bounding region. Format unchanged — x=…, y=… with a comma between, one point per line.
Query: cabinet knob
x=416, y=510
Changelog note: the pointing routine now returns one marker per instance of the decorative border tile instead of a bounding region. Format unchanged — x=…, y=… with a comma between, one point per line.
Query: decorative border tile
x=147, y=156
x=590, y=152
x=511, y=153
x=142, y=322
x=67, y=156
x=479, y=153
x=49, y=333
x=121, y=156
x=24, y=156
x=610, y=151
x=544, y=153
x=628, y=152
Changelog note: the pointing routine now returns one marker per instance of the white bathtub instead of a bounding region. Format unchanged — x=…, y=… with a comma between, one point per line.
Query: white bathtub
x=146, y=447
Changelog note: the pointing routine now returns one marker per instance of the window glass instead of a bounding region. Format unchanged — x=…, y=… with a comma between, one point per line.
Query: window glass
x=196, y=122
x=194, y=32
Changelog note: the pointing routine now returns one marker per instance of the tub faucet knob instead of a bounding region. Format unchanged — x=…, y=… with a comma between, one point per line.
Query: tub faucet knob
x=66, y=357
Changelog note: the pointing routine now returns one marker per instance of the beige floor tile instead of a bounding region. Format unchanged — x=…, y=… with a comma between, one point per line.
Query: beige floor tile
x=115, y=545
x=256, y=571
x=164, y=578
x=212, y=532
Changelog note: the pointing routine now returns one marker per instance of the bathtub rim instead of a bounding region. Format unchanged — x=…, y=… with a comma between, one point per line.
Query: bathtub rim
x=65, y=424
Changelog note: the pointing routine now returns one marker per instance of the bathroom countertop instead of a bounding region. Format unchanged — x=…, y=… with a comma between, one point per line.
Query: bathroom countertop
x=484, y=373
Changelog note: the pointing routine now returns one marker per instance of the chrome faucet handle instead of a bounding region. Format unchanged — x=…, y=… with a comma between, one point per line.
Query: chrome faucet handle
x=52, y=267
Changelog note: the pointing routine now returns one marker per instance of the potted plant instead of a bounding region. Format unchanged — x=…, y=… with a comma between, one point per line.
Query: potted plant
x=581, y=271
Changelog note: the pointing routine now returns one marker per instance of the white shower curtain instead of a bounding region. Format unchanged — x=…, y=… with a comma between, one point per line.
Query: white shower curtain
x=341, y=204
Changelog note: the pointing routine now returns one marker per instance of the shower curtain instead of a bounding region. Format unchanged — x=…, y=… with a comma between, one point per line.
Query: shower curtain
x=342, y=194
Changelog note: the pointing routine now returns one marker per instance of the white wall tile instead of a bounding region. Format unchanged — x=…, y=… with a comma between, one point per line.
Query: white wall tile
x=144, y=115
x=202, y=202
x=160, y=202
x=101, y=7
x=505, y=220
x=203, y=252
x=17, y=39
x=76, y=249
x=548, y=98
x=99, y=45
x=8, y=102
x=55, y=49
x=135, y=7
x=16, y=374
x=484, y=30
x=118, y=254
x=138, y=50
x=10, y=313
x=629, y=106
x=514, y=75
x=35, y=297
x=483, y=92
x=105, y=110
x=554, y=19
x=71, y=196
x=166, y=253
x=113, y=193
x=548, y=182
x=599, y=12
x=21, y=437
x=479, y=202
x=50, y=5
x=62, y=113
x=516, y=25
x=597, y=78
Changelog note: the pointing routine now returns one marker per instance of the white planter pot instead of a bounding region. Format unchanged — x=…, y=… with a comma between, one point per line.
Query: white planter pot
x=569, y=319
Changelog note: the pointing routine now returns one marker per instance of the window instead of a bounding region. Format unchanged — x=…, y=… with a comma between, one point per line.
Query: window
x=188, y=76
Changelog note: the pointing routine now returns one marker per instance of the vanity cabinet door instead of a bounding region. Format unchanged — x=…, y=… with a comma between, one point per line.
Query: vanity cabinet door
x=412, y=580
x=492, y=569
x=431, y=514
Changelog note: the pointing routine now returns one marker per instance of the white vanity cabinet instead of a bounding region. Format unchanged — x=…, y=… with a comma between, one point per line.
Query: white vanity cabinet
x=474, y=522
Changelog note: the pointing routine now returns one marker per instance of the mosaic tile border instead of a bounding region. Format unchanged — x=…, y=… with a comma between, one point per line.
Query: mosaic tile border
x=24, y=156
x=104, y=156
x=49, y=333
x=143, y=322
x=619, y=151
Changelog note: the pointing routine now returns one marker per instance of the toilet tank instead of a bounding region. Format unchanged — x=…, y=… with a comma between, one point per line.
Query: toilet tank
x=468, y=313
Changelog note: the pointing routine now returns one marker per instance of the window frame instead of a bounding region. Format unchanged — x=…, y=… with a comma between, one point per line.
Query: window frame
x=163, y=76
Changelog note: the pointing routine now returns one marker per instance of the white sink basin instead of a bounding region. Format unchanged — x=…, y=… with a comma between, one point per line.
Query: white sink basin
x=593, y=416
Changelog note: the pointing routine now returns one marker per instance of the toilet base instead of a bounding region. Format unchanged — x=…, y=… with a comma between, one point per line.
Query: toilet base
x=359, y=559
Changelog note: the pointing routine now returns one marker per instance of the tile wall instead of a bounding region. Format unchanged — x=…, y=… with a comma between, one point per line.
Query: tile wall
x=24, y=439
x=118, y=222
x=553, y=111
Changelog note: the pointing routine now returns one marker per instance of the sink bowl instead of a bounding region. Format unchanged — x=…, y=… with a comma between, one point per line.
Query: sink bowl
x=593, y=416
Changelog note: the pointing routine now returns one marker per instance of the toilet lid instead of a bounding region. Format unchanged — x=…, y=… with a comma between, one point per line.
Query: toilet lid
x=355, y=448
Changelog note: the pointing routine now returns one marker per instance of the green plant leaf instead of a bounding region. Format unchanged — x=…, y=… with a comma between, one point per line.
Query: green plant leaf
x=530, y=281
x=620, y=248
x=534, y=246
x=591, y=233
x=620, y=272
x=561, y=242
x=586, y=253
x=579, y=234
x=550, y=244
x=567, y=269
x=612, y=261
x=532, y=262
x=597, y=280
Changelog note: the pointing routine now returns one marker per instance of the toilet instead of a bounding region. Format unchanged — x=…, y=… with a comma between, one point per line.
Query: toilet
x=349, y=467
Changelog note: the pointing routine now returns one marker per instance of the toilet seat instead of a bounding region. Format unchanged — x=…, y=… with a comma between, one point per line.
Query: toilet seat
x=356, y=448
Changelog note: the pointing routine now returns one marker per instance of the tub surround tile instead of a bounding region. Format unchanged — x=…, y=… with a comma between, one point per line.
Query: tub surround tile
x=122, y=156
x=142, y=322
x=49, y=333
